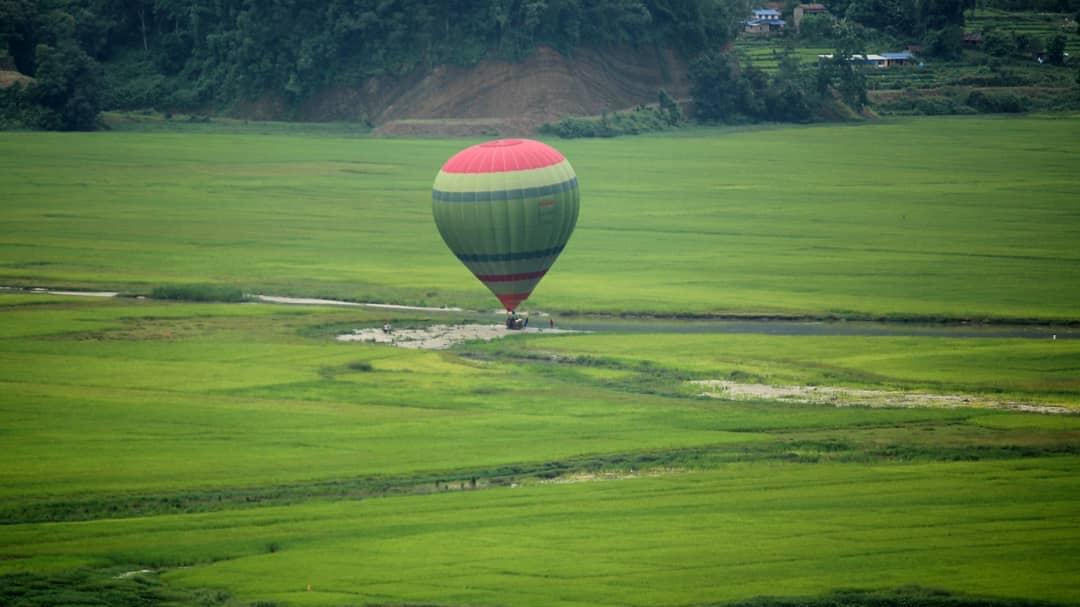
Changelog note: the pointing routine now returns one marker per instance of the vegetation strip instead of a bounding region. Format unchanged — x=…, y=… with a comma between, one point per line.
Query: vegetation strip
x=791, y=448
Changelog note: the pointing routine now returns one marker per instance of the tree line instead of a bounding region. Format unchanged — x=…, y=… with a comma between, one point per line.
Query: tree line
x=185, y=54
x=207, y=55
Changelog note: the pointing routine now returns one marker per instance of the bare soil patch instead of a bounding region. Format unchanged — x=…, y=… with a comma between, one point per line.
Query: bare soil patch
x=11, y=78
x=855, y=397
x=504, y=97
x=440, y=337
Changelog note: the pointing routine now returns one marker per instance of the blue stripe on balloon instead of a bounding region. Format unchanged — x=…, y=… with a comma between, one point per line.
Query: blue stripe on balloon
x=513, y=256
x=498, y=195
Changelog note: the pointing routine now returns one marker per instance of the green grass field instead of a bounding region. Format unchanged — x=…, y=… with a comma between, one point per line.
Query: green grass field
x=959, y=218
x=236, y=455
x=159, y=429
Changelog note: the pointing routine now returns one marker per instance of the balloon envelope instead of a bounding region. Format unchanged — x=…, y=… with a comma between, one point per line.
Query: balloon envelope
x=506, y=209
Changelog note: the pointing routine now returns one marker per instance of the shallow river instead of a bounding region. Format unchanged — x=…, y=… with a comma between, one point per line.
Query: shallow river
x=759, y=326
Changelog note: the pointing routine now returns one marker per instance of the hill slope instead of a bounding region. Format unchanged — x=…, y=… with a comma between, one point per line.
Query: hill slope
x=495, y=94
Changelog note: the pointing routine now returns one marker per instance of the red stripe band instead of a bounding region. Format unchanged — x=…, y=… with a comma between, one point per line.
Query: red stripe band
x=511, y=277
x=503, y=155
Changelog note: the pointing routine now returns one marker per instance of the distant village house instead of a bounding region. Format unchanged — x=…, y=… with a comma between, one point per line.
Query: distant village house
x=882, y=61
x=764, y=21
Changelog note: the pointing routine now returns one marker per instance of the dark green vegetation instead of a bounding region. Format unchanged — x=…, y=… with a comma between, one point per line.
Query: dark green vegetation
x=666, y=114
x=207, y=57
x=214, y=55
x=900, y=597
x=198, y=293
x=999, y=73
x=233, y=450
x=946, y=218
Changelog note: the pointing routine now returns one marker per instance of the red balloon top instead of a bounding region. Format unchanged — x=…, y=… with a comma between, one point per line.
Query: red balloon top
x=503, y=155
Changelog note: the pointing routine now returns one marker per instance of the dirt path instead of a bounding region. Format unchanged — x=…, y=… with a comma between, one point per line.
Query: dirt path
x=855, y=397
x=312, y=301
x=40, y=291
x=440, y=337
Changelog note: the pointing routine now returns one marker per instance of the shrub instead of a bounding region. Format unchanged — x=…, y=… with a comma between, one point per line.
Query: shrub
x=1002, y=103
x=641, y=119
x=939, y=106
x=199, y=292
x=999, y=44
x=1055, y=50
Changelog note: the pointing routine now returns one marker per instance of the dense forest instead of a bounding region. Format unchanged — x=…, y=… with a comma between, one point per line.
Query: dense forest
x=208, y=53
x=204, y=55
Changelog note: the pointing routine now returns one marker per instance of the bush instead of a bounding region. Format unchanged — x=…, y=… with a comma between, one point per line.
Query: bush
x=940, y=106
x=16, y=111
x=199, y=293
x=998, y=44
x=946, y=43
x=131, y=82
x=1055, y=50
x=361, y=365
x=816, y=28
x=905, y=596
x=641, y=119
x=1000, y=103
x=572, y=128
x=994, y=76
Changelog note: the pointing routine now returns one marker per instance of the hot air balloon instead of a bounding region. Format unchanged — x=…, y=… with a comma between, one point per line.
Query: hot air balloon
x=506, y=209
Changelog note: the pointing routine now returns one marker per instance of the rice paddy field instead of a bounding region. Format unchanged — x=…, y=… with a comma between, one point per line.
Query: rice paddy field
x=971, y=217
x=236, y=454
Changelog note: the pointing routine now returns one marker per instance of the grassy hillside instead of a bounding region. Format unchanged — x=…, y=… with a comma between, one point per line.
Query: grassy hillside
x=951, y=217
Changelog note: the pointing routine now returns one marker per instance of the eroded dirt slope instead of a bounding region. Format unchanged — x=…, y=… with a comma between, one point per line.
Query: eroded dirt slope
x=507, y=97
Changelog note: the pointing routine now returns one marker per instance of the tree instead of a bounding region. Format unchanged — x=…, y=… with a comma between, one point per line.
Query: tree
x=938, y=14
x=843, y=72
x=790, y=97
x=897, y=17
x=725, y=90
x=669, y=108
x=816, y=27
x=945, y=43
x=68, y=88
x=17, y=24
x=714, y=79
x=1026, y=44
x=998, y=44
x=1055, y=50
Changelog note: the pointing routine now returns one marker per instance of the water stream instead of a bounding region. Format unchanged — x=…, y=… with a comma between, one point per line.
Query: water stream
x=661, y=325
